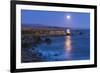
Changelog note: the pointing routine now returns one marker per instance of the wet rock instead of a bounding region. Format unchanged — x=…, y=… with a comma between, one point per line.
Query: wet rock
x=48, y=40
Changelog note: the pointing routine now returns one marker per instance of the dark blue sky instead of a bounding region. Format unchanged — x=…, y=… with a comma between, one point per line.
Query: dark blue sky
x=52, y=18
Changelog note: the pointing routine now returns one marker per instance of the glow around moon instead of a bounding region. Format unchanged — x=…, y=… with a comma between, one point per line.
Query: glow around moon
x=68, y=17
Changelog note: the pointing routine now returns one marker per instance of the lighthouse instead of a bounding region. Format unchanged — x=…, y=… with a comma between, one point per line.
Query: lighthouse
x=68, y=32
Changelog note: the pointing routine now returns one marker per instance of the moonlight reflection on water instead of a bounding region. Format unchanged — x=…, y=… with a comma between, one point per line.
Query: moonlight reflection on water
x=68, y=46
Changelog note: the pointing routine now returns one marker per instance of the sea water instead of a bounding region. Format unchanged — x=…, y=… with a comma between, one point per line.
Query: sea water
x=62, y=48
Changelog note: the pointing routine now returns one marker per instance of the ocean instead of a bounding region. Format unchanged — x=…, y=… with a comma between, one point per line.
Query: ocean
x=59, y=48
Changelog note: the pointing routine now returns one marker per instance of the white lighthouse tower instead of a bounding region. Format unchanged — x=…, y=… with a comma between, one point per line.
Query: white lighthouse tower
x=68, y=32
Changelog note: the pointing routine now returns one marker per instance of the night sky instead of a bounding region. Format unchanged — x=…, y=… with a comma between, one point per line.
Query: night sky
x=59, y=19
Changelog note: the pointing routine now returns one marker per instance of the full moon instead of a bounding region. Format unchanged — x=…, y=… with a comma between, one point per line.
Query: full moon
x=68, y=16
